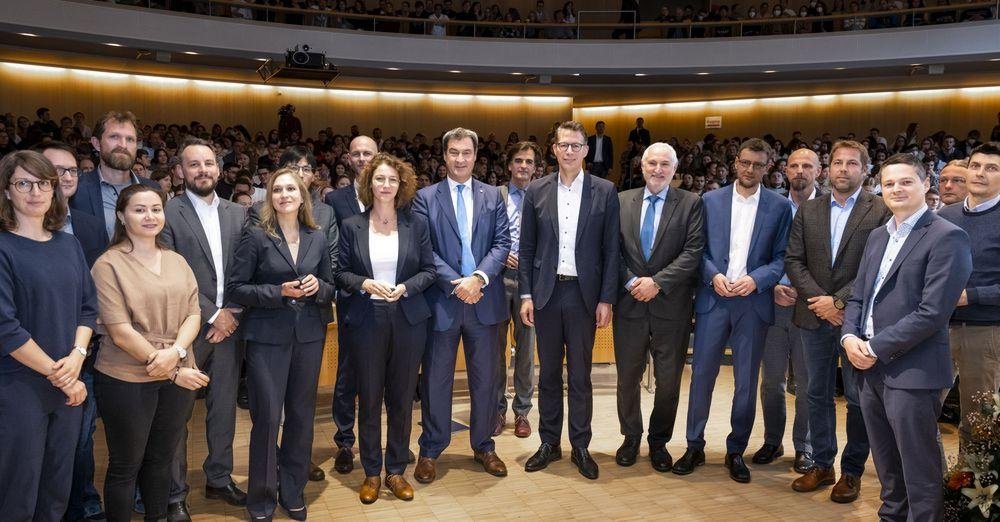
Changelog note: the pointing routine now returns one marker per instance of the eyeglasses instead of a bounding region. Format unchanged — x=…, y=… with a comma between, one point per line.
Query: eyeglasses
x=747, y=164
x=567, y=146
x=24, y=186
x=72, y=171
x=302, y=169
x=382, y=180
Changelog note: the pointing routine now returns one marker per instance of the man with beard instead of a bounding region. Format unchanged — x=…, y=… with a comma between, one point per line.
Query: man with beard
x=115, y=139
x=205, y=229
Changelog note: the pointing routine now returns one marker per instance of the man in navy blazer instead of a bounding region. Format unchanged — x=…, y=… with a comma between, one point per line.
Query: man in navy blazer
x=345, y=204
x=568, y=279
x=467, y=221
x=600, y=152
x=116, y=140
x=746, y=229
x=895, y=331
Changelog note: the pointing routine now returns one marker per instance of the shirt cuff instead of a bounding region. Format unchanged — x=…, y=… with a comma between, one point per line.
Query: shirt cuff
x=211, y=320
x=628, y=284
x=485, y=277
x=844, y=338
x=525, y=296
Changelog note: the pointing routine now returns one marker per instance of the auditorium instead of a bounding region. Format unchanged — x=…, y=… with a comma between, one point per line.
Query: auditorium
x=468, y=260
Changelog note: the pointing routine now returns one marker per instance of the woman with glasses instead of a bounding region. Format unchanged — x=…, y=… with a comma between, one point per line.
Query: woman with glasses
x=48, y=309
x=385, y=264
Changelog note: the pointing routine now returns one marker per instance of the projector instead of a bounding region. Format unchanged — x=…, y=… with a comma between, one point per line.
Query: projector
x=303, y=59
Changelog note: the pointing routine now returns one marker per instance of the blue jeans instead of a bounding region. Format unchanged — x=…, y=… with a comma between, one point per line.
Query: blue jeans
x=822, y=350
x=84, y=500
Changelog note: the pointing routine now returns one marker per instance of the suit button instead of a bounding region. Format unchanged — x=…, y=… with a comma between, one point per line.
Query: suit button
x=293, y=301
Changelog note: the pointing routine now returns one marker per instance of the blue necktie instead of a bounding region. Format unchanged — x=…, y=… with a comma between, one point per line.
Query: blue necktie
x=468, y=262
x=646, y=232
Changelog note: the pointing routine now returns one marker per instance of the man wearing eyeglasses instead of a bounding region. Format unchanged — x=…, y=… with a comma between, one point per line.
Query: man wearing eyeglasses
x=746, y=229
x=84, y=500
x=568, y=280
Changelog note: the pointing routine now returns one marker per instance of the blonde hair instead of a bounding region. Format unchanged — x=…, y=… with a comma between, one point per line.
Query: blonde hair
x=269, y=218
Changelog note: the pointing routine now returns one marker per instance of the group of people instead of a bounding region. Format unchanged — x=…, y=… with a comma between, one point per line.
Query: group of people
x=828, y=274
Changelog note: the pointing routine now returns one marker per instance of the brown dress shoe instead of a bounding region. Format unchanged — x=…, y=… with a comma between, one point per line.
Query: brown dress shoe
x=522, y=428
x=316, y=473
x=369, y=489
x=491, y=463
x=399, y=487
x=813, y=479
x=847, y=490
x=425, y=472
x=498, y=426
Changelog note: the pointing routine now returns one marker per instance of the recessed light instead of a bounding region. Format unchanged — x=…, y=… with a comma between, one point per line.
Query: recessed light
x=261, y=59
x=770, y=71
x=703, y=74
x=112, y=44
x=517, y=74
x=454, y=72
x=995, y=59
x=392, y=68
x=839, y=68
x=640, y=74
x=28, y=34
x=576, y=74
x=190, y=52
x=915, y=64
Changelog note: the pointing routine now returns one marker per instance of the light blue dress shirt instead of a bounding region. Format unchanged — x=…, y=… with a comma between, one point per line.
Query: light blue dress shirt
x=897, y=237
x=656, y=217
x=838, y=221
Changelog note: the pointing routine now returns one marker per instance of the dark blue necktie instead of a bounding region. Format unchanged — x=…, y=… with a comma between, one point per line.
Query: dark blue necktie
x=462, y=216
x=646, y=232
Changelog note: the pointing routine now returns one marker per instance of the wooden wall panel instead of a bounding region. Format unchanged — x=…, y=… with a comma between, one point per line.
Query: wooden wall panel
x=65, y=91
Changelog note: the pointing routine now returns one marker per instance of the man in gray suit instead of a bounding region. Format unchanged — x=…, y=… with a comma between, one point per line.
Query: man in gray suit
x=205, y=229
x=662, y=241
x=896, y=334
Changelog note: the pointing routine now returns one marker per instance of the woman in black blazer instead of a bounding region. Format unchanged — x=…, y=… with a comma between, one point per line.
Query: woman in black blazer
x=385, y=264
x=282, y=274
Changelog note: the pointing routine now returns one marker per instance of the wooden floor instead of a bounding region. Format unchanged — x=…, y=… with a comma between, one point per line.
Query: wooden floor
x=464, y=492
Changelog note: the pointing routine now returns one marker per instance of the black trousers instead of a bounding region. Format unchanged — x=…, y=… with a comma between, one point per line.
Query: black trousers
x=38, y=435
x=565, y=327
x=345, y=390
x=386, y=371
x=281, y=377
x=143, y=423
x=636, y=339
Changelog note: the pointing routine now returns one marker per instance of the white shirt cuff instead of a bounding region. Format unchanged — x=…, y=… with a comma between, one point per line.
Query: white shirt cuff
x=628, y=284
x=485, y=277
x=211, y=320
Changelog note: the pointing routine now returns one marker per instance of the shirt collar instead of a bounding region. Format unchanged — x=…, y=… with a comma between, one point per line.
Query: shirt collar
x=513, y=189
x=134, y=180
x=982, y=207
x=198, y=202
x=577, y=182
x=789, y=196
x=850, y=201
x=753, y=197
x=907, y=224
x=452, y=184
x=661, y=194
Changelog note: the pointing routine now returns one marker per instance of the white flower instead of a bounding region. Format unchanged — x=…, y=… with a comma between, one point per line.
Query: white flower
x=982, y=497
x=996, y=406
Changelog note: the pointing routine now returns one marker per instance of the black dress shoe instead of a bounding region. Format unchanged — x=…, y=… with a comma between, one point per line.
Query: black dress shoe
x=768, y=453
x=178, y=512
x=230, y=493
x=738, y=469
x=628, y=451
x=540, y=460
x=803, y=462
x=660, y=458
x=584, y=462
x=411, y=458
x=294, y=514
x=691, y=459
x=316, y=473
x=344, y=463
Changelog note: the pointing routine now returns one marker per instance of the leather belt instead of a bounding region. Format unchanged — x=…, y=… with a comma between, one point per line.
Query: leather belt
x=561, y=277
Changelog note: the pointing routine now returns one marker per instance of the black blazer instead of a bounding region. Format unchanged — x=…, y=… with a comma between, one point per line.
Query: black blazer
x=414, y=268
x=344, y=202
x=324, y=217
x=607, y=151
x=88, y=195
x=262, y=263
x=677, y=250
x=90, y=232
x=597, y=232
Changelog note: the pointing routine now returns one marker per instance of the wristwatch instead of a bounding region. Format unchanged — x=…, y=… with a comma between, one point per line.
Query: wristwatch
x=181, y=352
x=82, y=349
x=839, y=304
x=480, y=277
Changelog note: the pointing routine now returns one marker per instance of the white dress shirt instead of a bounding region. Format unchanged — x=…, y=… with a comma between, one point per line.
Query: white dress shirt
x=568, y=200
x=897, y=238
x=744, y=213
x=467, y=198
x=208, y=215
x=356, y=191
x=383, y=254
x=598, y=148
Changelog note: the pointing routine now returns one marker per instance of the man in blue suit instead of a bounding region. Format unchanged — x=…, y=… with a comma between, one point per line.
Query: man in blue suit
x=746, y=230
x=116, y=140
x=568, y=279
x=895, y=332
x=467, y=221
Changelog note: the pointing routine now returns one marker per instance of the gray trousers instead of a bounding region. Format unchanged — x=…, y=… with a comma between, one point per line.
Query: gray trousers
x=523, y=359
x=222, y=364
x=975, y=353
x=784, y=344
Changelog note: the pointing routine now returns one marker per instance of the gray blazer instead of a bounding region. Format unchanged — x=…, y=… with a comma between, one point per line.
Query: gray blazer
x=808, y=257
x=184, y=234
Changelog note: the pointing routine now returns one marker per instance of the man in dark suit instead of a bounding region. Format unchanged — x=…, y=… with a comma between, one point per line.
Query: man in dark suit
x=568, y=279
x=467, y=221
x=600, y=152
x=824, y=249
x=661, y=247
x=116, y=140
x=640, y=134
x=345, y=204
x=747, y=230
x=88, y=229
x=895, y=332
x=206, y=229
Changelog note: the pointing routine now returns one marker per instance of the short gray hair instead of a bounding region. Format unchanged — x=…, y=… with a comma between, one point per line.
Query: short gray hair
x=661, y=147
x=459, y=133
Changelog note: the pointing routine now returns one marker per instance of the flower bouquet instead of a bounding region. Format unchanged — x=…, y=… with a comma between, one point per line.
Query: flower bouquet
x=972, y=483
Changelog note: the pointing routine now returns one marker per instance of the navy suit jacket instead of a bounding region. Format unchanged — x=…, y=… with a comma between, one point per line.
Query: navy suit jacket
x=914, y=304
x=597, y=241
x=490, y=246
x=766, y=257
x=414, y=267
x=344, y=202
x=88, y=195
x=91, y=234
x=261, y=264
